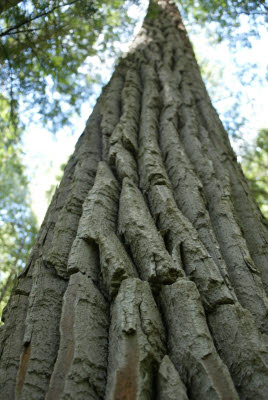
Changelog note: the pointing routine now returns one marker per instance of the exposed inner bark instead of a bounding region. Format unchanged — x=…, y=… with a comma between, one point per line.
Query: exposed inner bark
x=149, y=276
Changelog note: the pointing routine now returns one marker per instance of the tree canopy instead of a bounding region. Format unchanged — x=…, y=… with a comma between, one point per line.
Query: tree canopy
x=228, y=17
x=17, y=222
x=45, y=44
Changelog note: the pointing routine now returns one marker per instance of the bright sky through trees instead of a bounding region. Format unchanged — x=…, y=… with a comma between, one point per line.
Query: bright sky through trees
x=45, y=152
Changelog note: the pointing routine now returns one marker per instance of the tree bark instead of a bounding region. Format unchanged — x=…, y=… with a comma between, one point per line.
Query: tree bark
x=149, y=277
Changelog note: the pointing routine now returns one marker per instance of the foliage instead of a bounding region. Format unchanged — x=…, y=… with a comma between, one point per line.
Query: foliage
x=228, y=17
x=153, y=10
x=255, y=166
x=17, y=221
x=44, y=47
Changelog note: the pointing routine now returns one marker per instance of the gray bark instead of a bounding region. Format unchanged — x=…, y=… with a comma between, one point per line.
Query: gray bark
x=148, y=279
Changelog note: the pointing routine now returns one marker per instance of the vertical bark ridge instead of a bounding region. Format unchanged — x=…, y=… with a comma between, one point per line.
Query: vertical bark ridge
x=137, y=342
x=249, y=289
x=214, y=295
x=98, y=225
x=41, y=333
x=34, y=389
x=191, y=346
x=166, y=222
x=145, y=242
x=252, y=222
x=111, y=108
x=184, y=240
x=23, y=284
x=11, y=334
x=151, y=164
x=48, y=288
x=151, y=167
x=84, y=341
x=169, y=383
x=123, y=141
x=254, y=226
x=242, y=348
x=254, y=234
x=83, y=179
x=152, y=172
x=187, y=188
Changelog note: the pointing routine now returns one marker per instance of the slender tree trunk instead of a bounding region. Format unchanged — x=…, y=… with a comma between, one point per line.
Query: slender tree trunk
x=149, y=276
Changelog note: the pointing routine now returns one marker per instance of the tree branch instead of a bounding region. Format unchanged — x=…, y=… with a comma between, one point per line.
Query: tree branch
x=35, y=17
x=25, y=31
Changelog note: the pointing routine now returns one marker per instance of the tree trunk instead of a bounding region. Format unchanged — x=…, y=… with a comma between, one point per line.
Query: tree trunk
x=149, y=276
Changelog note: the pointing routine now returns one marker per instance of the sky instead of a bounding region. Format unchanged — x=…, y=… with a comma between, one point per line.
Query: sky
x=44, y=152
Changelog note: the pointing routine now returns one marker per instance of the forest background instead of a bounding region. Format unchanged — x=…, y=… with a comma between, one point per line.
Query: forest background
x=55, y=56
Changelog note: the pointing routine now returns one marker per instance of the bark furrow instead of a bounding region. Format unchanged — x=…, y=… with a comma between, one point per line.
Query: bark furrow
x=123, y=141
x=84, y=342
x=141, y=236
x=243, y=274
x=169, y=383
x=83, y=179
x=187, y=188
x=102, y=249
x=137, y=342
x=191, y=346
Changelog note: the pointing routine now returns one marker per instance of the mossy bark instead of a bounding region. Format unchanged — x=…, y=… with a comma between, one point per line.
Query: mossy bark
x=149, y=276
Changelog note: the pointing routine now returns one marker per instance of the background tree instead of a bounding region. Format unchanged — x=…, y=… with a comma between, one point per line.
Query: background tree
x=17, y=221
x=149, y=275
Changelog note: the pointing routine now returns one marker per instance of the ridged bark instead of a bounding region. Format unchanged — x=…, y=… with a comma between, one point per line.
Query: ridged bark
x=149, y=276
